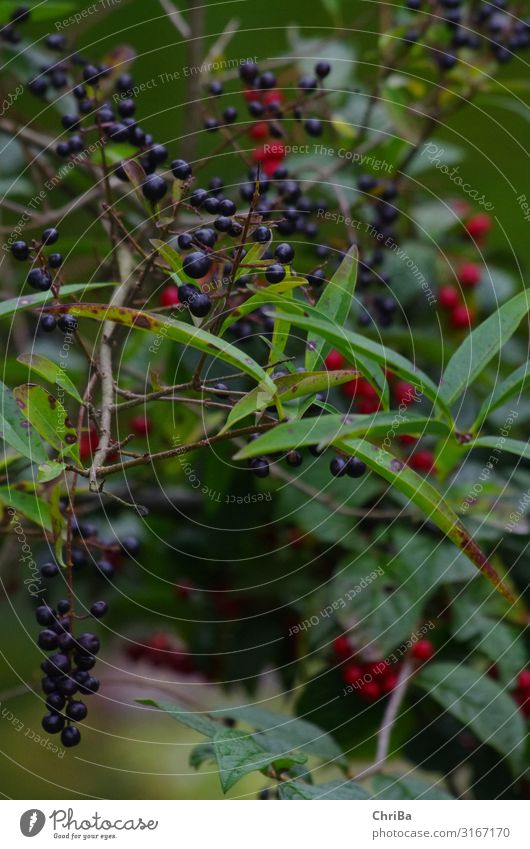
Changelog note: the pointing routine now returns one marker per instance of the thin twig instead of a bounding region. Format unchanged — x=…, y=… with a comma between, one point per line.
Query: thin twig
x=389, y=718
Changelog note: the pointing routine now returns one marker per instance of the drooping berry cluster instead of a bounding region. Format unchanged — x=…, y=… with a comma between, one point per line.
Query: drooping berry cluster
x=68, y=669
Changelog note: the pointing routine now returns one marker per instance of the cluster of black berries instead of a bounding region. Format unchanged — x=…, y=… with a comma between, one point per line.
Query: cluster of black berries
x=41, y=278
x=68, y=670
x=265, y=103
x=9, y=32
x=487, y=25
x=339, y=466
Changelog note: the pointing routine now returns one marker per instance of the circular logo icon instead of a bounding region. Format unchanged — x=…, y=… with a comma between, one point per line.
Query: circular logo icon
x=32, y=822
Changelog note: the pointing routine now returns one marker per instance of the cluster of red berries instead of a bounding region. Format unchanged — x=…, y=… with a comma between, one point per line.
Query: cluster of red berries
x=373, y=679
x=265, y=103
x=469, y=276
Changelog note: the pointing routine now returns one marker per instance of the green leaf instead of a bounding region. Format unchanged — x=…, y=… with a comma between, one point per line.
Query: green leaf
x=50, y=470
x=51, y=372
x=293, y=790
x=177, y=331
x=29, y=504
x=324, y=430
x=254, y=254
x=514, y=384
x=481, y=345
x=479, y=703
x=350, y=344
x=48, y=417
x=239, y=754
x=12, y=306
x=171, y=257
x=264, y=295
x=334, y=305
x=500, y=443
x=405, y=788
x=293, y=733
x=15, y=430
x=192, y=719
x=288, y=387
x=429, y=500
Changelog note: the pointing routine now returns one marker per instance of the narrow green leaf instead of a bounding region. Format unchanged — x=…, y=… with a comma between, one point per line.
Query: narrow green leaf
x=500, y=443
x=169, y=254
x=254, y=254
x=481, y=704
x=324, y=430
x=16, y=431
x=177, y=331
x=481, y=345
x=350, y=344
x=280, y=335
x=338, y=790
x=264, y=295
x=334, y=305
x=239, y=754
x=428, y=499
x=12, y=306
x=29, y=504
x=50, y=371
x=58, y=523
x=288, y=387
x=48, y=417
x=513, y=385
x=50, y=470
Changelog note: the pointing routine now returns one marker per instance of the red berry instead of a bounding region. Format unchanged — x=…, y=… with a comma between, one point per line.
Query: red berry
x=523, y=700
x=469, y=274
x=271, y=165
x=334, y=361
x=88, y=443
x=341, y=646
x=169, y=296
x=272, y=96
x=259, y=131
x=370, y=691
x=389, y=682
x=448, y=297
x=407, y=439
x=368, y=406
x=479, y=226
x=352, y=674
x=351, y=388
x=404, y=392
x=251, y=94
x=422, y=461
x=462, y=317
x=523, y=679
x=423, y=650
x=366, y=389
x=141, y=426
